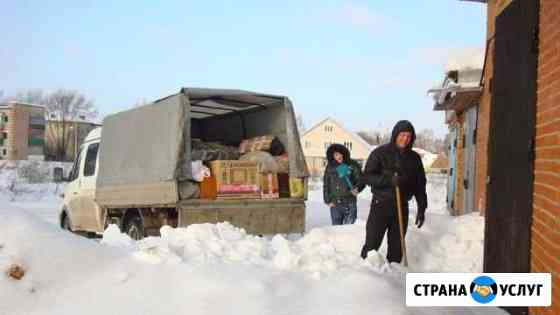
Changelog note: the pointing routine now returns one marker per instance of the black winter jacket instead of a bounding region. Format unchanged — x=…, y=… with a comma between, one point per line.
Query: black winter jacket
x=387, y=159
x=333, y=186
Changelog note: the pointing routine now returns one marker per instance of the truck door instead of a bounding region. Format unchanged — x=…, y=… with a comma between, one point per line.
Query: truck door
x=72, y=200
x=91, y=213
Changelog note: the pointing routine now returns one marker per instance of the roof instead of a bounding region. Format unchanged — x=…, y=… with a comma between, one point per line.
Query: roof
x=77, y=121
x=460, y=90
x=458, y=99
x=356, y=136
x=206, y=102
x=12, y=103
x=441, y=162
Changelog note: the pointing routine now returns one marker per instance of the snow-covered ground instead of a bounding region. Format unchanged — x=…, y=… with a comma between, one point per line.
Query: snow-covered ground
x=219, y=269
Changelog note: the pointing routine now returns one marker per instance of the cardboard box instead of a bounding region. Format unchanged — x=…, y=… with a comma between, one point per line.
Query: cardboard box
x=209, y=188
x=290, y=187
x=269, y=186
x=236, y=179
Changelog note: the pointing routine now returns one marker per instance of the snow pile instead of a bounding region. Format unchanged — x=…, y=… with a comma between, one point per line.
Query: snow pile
x=203, y=269
x=449, y=244
x=321, y=251
x=29, y=180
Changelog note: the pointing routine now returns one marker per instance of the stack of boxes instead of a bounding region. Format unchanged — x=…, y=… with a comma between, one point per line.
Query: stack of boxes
x=243, y=179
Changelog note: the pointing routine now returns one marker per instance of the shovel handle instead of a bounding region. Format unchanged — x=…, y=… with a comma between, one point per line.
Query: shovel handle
x=401, y=224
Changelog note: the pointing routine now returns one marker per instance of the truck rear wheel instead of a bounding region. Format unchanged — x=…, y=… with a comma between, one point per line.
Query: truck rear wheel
x=134, y=228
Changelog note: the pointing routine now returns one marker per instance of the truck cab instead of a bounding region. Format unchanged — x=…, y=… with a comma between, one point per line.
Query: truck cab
x=80, y=212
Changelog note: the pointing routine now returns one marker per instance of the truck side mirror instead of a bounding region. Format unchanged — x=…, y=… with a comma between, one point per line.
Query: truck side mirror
x=58, y=174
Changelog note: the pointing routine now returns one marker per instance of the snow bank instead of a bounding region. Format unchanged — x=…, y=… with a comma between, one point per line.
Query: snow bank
x=202, y=269
x=220, y=269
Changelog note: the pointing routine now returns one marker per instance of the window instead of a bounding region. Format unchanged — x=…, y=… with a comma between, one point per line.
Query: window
x=329, y=128
x=91, y=159
x=4, y=152
x=5, y=118
x=348, y=144
x=76, y=167
x=4, y=135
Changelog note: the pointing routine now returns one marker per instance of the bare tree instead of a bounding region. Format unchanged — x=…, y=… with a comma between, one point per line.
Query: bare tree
x=368, y=137
x=374, y=137
x=67, y=106
x=427, y=140
x=63, y=107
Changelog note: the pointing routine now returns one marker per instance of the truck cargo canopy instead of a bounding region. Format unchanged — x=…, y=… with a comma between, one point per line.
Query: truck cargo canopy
x=151, y=145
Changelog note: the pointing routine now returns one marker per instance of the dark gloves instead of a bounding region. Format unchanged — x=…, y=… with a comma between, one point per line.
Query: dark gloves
x=420, y=219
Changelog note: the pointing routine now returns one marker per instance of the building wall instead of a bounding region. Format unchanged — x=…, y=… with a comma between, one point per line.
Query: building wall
x=459, y=167
x=4, y=129
x=18, y=128
x=316, y=141
x=545, y=236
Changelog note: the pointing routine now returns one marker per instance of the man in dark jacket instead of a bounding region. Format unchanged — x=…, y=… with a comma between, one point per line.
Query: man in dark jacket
x=389, y=165
x=340, y=185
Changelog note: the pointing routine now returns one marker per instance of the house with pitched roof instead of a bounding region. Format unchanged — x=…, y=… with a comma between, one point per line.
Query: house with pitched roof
x=318, y=138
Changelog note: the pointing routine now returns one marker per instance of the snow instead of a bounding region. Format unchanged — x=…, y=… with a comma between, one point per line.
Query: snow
x=468, y=58
x=219, y=269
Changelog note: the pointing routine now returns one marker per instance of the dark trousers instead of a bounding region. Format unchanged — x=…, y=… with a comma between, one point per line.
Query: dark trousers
x=344, y=212
x=383, y=217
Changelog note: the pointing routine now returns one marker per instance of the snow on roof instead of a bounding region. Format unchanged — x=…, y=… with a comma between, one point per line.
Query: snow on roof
x=466, y=59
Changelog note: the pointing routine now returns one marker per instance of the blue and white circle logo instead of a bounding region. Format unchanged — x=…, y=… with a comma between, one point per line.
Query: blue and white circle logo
x=484, y=289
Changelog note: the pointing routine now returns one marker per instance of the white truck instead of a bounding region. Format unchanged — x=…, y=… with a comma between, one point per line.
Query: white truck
x=136, y=172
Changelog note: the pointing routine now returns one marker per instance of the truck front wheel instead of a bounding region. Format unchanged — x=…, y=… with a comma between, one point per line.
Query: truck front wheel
x=66, y=224
x=134, y=228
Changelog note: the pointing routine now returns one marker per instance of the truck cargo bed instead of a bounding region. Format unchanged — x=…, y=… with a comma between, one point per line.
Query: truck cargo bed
x=256, y=216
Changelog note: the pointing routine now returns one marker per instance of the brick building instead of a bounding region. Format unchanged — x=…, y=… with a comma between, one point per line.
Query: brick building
x=545, y=230
x=22, y=129
x=518, y=141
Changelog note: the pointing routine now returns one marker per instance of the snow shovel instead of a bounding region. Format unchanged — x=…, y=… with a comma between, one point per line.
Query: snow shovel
x=401, y=226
